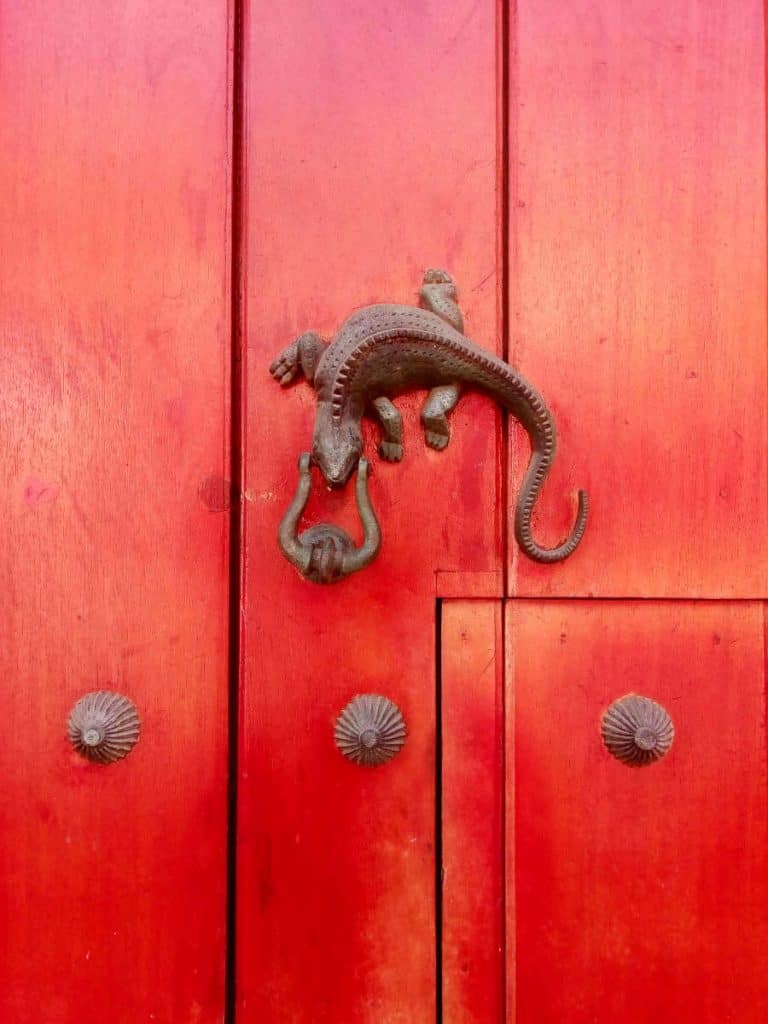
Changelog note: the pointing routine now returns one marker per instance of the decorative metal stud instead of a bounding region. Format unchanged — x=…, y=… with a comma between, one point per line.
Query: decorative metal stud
x=637, y=730
x=104, y=726
x=370, y=730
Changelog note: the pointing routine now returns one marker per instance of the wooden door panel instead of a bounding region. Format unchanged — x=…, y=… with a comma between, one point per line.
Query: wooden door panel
x=638, y=289
x=370, y=155
x=472, y=806
x=638, y=893
x=114, y=342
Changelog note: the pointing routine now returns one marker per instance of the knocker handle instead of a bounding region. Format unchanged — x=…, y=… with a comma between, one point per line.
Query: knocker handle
x=326, y=553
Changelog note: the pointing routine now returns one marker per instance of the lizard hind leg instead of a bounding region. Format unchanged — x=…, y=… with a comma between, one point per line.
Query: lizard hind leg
x=391, y=447
x=438, y=294
x=302, y=356
x=434, y=416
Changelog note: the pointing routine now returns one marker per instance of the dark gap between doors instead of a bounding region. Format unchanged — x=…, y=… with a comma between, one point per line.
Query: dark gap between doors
x=438, y=814
x=237, y=205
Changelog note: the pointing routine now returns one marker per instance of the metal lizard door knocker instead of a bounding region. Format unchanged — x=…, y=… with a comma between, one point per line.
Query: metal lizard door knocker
x=380, y=352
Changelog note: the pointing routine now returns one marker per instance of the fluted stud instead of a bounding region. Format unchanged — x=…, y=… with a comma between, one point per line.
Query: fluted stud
x=637, y=730
x=104, y=726
x=370, y=730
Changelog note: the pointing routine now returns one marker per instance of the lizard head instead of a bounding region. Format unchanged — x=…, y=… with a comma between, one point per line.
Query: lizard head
x=336, y=448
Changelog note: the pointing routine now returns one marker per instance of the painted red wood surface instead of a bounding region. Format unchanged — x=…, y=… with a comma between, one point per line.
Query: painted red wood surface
x=113, y=431
x=472, y=803
x=371, y=154
x=637, y=305
x=638, y=288
x=640, y=893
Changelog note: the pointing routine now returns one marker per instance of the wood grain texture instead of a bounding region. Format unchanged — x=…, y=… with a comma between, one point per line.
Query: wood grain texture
x=472, y=812
x=114, y=343
x=638, y=289
x=371, y=155
x=640, y=892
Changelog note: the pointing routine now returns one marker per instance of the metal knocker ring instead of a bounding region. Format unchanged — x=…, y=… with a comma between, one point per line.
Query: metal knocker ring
x=326, y=553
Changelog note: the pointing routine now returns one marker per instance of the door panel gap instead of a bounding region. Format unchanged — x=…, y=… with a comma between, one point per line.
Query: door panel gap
x=438, y=814
x=237, y=400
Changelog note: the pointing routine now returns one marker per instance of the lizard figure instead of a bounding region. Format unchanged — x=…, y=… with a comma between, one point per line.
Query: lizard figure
x=383, y=350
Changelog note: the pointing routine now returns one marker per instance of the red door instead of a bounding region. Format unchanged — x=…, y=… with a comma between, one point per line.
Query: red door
x=114, y=410
x=636, y=892
x=594, y=178
x=191, y=189
x=638, y=286
x=371, y=153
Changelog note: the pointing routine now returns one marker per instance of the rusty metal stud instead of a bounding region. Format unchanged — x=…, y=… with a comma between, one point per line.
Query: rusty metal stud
x=370, y=730
x=104, y=726
x=637, y=730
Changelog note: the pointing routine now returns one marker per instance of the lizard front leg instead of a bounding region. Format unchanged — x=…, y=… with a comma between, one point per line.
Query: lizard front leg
x=302, y=356
x=438, y=294
x=440, y=401
x=391, y=447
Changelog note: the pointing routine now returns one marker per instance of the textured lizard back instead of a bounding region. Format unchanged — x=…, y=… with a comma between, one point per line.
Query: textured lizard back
x=361, y=330
x=406, y=335
x=383, y=350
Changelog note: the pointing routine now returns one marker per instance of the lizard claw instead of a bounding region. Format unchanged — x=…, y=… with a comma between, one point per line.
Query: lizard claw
x=285, y=367
x=435, y=440
x=436, y=276
x=390, y=451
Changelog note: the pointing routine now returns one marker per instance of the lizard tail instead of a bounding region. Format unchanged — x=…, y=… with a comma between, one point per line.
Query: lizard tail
x=524, y=402
x=514, y=393
x=541, y=460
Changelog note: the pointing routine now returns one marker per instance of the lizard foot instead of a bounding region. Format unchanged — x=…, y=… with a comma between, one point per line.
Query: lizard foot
x=390, y=451
x=435, y=440
x=438, y=294
x=286, y=366
x=434, y=416
x=435, y=276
